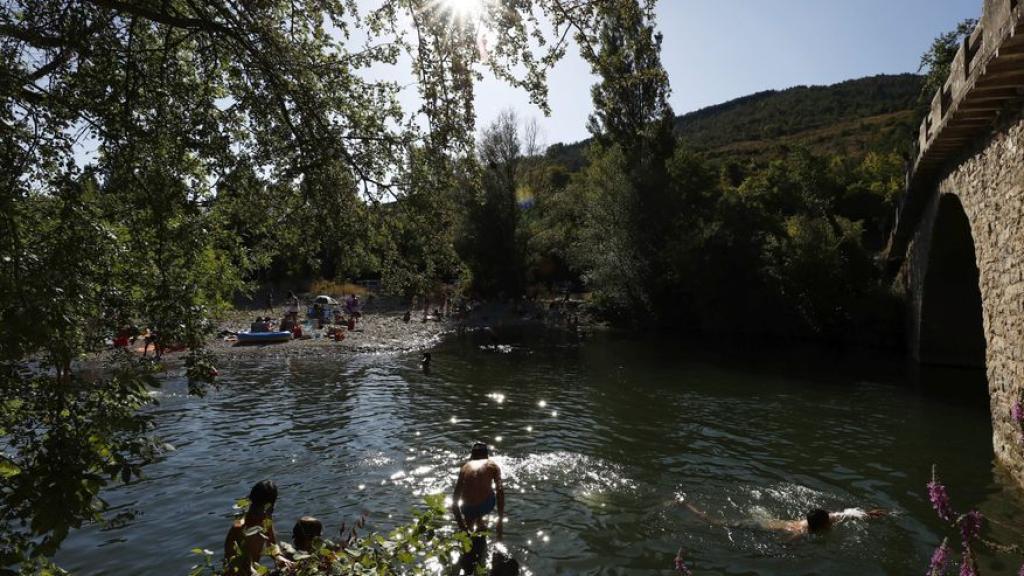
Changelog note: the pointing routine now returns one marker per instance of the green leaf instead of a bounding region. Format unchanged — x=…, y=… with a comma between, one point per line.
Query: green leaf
x=8, y=469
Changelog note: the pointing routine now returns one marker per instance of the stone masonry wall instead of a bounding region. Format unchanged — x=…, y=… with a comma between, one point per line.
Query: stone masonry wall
x=990, y=185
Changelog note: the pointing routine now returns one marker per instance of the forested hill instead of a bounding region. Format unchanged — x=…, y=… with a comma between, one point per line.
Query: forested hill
x=849, y=118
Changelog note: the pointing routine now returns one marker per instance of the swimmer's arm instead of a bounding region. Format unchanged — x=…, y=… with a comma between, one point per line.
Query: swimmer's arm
x=456, y=496
x=704, y=516
x=499, y=489
x=700, y=513
x=857, y=514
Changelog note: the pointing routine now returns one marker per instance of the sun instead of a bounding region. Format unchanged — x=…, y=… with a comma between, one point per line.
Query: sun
x=464, y=9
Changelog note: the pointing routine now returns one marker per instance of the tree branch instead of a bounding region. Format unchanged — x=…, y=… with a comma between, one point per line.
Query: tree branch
x=32, y=37
x=160, y=17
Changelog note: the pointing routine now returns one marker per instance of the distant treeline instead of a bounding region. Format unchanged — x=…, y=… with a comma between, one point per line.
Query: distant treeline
x=873, y=114
x=762, y=218
x=784, y=249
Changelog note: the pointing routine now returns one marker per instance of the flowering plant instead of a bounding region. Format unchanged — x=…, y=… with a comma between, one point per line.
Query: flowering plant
x=427, y=545
x=680, y=564
x=969, y=526
x=1017, y=414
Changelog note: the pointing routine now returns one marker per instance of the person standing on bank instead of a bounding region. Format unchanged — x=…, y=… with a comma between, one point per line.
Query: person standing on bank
x=477, y=491
x=292, y=306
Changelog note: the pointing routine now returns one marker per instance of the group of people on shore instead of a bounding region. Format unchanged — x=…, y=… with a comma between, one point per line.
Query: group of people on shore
x=478, y=491
x=318, y=315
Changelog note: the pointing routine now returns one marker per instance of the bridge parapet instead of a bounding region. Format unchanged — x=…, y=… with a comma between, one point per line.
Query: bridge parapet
x=985, y=77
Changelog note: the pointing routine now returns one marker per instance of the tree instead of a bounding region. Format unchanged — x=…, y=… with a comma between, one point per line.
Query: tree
x=632, y=127
x=631, y=108
x=492, y=242
x=608, y=249
x=935, y=63
x=145, y=142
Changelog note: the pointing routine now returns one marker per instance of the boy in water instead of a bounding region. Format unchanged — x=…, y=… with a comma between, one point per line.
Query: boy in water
x=819, y=520
x=250, y=534
x=305, y=533
x=816, y=521
x=477, y=491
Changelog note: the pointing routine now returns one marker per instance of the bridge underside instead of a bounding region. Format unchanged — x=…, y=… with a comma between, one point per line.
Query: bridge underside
x=951, y=331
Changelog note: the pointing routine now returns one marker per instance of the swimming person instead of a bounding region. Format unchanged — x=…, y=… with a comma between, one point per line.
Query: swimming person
x=425, y=362
x=478, y=490
x=244, y=546
x=305, y=533
x=816, y=521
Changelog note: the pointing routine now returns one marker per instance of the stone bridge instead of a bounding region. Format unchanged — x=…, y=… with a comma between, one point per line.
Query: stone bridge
x=958, y=239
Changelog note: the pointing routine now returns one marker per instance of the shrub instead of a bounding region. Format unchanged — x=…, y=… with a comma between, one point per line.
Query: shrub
x=428, y=545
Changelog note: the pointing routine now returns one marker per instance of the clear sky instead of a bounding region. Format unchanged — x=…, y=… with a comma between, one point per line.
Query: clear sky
x=717, y=50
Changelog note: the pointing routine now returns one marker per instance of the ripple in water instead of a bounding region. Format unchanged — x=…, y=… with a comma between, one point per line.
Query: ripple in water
x=597, y=444
x=585, y=475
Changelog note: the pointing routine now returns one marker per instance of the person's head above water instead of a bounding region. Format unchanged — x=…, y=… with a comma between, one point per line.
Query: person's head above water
x=262, y=498
x=479, y=452
x=305, y=531
x=818, y=520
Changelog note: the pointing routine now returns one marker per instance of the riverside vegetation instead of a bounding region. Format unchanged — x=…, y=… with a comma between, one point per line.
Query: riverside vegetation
x=157, y=156
x=428, y=545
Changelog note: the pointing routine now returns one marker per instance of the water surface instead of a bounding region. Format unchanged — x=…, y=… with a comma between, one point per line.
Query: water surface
x=600, y=442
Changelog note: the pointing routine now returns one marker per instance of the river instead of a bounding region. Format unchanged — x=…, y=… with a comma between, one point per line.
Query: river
x=600, y=442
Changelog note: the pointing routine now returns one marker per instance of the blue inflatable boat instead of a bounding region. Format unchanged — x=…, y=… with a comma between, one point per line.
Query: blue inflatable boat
x=263, y=337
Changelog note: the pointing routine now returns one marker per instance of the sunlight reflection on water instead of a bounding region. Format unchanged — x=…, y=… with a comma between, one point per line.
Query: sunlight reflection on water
x=598, y=444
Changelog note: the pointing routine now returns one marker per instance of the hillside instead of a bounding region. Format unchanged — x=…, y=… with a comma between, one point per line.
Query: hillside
x=849, y=118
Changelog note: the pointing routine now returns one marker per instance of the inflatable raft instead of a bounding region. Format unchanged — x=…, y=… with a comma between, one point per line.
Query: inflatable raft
x=263, y=337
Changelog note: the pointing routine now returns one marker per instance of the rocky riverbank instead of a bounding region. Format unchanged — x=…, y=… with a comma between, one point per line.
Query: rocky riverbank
x=378, y=331
x=382, y=329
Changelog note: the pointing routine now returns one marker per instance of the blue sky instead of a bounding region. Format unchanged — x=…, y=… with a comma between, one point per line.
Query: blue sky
x=717, y=50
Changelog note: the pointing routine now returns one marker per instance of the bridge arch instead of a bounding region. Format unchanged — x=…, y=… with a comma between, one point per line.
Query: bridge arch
x=951, y=329
x=969, y=150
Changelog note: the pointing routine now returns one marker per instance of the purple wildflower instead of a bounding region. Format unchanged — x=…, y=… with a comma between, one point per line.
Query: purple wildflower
x=967, y=564
x=940, y=500
x=940, y=560
x=680, y=563
x=1021, y=573
x=1017, y=414
x=970, y=526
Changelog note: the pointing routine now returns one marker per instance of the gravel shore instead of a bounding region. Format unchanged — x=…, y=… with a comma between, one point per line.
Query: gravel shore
x=380, y=330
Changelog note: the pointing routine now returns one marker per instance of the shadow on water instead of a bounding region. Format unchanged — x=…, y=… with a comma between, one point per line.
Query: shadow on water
x=967, y=387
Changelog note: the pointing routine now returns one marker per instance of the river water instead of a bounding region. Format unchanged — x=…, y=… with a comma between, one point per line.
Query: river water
x=600, y=442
